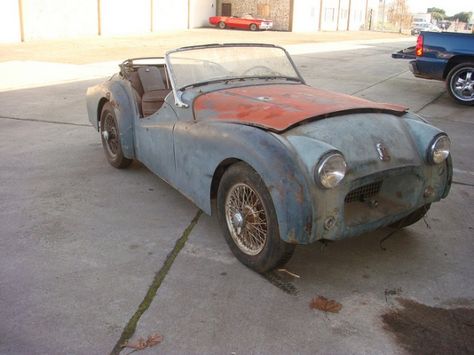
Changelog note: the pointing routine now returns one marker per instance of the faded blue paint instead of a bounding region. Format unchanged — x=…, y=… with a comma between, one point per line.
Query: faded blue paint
x=119, y=93
x=408, y=173
x=186, y=153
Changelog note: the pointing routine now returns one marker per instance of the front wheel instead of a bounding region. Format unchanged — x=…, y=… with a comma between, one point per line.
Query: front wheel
x=253, y=27
x=222, y=25
x=110, y=136
x=460, y=83
x=248, y=220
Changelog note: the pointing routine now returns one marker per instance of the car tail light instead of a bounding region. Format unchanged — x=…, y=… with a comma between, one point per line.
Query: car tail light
x=419, y=46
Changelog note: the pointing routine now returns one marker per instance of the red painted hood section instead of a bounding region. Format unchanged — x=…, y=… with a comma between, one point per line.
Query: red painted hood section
x=280, y=107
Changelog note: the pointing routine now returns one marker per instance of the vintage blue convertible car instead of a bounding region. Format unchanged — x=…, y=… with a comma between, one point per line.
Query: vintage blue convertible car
x=286, y=163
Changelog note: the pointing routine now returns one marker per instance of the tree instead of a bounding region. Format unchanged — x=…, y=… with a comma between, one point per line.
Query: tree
x=437, y=16
x=430, y=10
x=462, y=16
x=436, y=13
x=399, y=14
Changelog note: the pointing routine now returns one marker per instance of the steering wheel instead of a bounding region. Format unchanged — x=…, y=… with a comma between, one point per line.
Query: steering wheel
x=261, y=69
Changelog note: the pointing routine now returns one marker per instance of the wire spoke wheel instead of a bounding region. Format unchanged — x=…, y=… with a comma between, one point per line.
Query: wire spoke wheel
x=246, y=219
x=109, y=133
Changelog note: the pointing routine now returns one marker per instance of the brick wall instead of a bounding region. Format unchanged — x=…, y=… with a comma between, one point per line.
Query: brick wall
x=276, y=10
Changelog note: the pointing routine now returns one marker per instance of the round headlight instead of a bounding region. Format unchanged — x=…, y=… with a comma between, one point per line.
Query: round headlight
x=439, y=149
x=331, y=170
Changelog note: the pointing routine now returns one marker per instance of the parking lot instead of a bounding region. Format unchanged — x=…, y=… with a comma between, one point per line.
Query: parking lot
x=88, y=252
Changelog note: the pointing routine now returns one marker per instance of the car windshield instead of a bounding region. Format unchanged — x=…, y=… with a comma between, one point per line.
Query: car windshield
x=200, y=65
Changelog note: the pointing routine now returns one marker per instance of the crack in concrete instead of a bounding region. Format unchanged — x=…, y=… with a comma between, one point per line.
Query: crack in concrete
x=462, y=183
x=131, y=326
x=430, y=102
x=380, y=82
x=46, y=121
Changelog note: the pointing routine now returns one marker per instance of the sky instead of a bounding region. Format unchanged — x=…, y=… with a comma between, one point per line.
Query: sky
x=450, y=6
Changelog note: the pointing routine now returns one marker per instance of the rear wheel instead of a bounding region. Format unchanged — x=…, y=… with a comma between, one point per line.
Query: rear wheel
x=253, y=27
x=110, y=137
x=221, y=25
x=248, y=220
x=460, y=83
x=412, y=218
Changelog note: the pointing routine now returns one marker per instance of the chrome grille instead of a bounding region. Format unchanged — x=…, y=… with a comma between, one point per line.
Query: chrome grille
x=364, y=192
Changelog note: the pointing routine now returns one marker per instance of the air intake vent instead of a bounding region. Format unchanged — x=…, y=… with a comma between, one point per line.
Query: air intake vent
x=363, y=193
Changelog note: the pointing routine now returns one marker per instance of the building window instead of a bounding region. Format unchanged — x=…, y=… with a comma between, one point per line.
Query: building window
x=329, y=14
x=226, y=9
x=263, y=10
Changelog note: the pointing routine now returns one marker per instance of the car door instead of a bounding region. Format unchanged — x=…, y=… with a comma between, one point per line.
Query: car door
x=154, y=142
x=241, y=23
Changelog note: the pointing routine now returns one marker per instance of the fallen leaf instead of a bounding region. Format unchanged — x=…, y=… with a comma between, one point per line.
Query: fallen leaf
x=154, y=339
x=141, y=343
x=323, y=304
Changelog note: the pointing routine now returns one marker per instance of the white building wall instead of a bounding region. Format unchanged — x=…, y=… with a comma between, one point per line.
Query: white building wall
x=306, y=15
x=336, y=15
x=50, y=19
x=343, y=15
x=170, y=15
x=9, y=21
x=329, y=15
x=200, y=11
x=124, y=17
x=358, y=12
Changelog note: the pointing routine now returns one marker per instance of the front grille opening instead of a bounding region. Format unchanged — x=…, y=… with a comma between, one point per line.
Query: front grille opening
x=363, y=193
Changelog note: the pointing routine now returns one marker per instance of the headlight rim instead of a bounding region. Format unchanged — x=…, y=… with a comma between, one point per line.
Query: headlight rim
x=322, y=161
x=432, y=146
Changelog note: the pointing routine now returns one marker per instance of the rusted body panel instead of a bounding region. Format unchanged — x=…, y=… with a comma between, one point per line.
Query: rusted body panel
x=279, y=107
x=280, y=131
x=118, y=92
x=402, y=179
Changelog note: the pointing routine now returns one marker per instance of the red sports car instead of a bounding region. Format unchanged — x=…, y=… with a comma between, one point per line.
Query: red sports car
x=246, y=22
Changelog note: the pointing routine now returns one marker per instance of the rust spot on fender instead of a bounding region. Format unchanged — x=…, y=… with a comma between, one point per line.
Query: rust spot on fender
x=115, y=104
x=300, y=195
x=307, y=228
x=291, y=237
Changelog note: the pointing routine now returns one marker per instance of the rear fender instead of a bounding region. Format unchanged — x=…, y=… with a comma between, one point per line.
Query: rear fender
x=119, y=94
x=458, y=59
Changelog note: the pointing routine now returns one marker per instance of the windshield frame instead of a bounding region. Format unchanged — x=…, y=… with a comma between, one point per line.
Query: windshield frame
x=177, y=92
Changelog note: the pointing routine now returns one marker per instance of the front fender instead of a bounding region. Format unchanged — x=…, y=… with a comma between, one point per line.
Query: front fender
x=202, y=146
x=119, y=94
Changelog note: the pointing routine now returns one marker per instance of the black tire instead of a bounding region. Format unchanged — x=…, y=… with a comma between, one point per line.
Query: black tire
x=412, y=218
x=463, y=93
x=110, y=136
x=221, y=25
x=249, y=224
x=253, y=27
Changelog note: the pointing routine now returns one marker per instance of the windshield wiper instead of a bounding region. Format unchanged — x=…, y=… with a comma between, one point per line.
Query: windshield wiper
x=202, y=83
x=274, y=77
x=242, y=78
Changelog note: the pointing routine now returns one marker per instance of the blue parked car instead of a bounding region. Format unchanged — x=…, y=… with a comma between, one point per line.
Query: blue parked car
x=286, y=163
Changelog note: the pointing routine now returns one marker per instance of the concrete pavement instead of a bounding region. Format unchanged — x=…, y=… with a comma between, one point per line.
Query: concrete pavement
x=82, y=244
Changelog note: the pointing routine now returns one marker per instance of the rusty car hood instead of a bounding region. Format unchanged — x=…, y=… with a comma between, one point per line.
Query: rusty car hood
x=278, y=107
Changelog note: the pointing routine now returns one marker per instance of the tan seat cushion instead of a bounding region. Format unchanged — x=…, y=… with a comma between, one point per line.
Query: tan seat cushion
x=153, y=100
